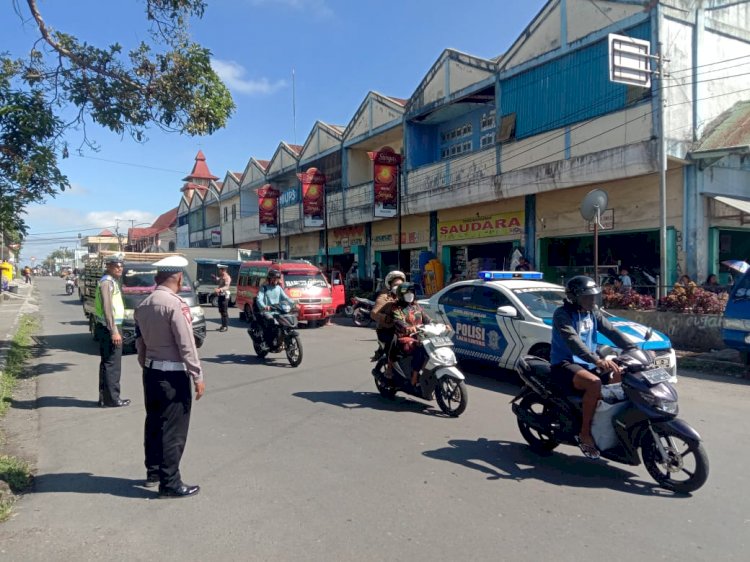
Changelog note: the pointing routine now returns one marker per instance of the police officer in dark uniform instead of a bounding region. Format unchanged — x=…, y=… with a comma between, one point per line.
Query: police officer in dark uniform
x=167, y=353
x=109, y=311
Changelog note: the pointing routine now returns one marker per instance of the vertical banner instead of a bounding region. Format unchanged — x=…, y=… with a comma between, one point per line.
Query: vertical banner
x=268, y=209
x=386, y=164
x=313, y=197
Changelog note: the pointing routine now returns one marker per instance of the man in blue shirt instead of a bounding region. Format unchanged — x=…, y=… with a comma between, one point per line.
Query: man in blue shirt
x=573, y=357
x=270, y=294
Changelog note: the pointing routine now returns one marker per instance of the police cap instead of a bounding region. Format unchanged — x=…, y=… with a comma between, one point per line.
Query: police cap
x=171, y=264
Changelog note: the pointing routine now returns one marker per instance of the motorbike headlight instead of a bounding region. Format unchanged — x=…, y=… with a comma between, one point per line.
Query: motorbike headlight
x=662, y=397
x=196, y=312
x=444, y=356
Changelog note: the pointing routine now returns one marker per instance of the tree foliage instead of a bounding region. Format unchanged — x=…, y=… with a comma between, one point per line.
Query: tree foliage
x=166, y=82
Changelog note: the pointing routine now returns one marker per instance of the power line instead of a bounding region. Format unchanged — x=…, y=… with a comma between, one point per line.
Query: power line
x=131, y=164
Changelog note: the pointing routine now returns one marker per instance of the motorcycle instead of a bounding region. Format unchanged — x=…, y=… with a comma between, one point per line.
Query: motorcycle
x=439, y=378
x=642, y=415
x=359, y=310
x=285, y=337
x=69, y=286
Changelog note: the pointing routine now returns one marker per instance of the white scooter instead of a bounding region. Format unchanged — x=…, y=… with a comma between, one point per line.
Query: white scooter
x=69, y=286
x=439, y=377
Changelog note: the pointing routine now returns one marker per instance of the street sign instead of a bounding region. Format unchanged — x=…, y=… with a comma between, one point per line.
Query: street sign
x=629, y=61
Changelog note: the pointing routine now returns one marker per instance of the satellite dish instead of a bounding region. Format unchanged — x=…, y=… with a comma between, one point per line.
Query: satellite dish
x=594, y=202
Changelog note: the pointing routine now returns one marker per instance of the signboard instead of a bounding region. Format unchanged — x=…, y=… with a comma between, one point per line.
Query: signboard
x=313, y=197
x=268, y=209
x=629, y=61
x=216, y=237
x=606, y=221
x=347, y=236
x=501, y=224
x=289, y=197
x=386, y=168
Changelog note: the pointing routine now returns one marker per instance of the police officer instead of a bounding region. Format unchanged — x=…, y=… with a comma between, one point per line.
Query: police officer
x=224, y=282
x=167, y=353
x=109, y=311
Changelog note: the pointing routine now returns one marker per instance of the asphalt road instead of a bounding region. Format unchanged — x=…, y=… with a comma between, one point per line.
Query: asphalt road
x=312, y=464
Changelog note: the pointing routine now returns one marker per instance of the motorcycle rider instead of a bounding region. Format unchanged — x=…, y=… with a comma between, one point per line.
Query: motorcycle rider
x=573, y=357
x=269, y=295
x=407, y=317
x=382, y=313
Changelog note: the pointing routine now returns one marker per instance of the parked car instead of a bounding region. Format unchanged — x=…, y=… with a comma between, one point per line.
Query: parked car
x=736, y=322
x=305, y=283
x=504, y=315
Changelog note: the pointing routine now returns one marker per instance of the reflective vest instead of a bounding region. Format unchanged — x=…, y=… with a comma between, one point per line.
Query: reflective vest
x=118, y=307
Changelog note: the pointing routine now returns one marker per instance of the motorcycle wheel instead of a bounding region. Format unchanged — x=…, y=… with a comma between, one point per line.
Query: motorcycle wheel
x=538, y=441
x=293, y=347
x=385, y=391
x=348, y=311
x=360, y=318
x=451, y=396
x=259, y=351
x=679, y=450
x=213, y=300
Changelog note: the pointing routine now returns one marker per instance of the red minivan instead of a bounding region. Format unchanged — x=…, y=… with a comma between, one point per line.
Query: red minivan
x=316, y=298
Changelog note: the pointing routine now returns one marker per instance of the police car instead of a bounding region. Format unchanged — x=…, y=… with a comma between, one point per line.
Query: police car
x=503, y=315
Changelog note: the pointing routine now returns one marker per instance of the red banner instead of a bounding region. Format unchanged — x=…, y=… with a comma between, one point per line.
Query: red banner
x=313, y=197
x=268, y=209
x=386, y=164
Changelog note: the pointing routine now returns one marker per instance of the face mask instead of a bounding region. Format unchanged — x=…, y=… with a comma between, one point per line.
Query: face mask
x=409, y=297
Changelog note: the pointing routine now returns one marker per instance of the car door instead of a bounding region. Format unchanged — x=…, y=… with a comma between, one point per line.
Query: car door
x=454, y=308
x=501, y=342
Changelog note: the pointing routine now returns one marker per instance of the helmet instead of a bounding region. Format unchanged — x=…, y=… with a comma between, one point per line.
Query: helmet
x=579, y=286
x=274, y=274
x=404, y=288
x=392, y=276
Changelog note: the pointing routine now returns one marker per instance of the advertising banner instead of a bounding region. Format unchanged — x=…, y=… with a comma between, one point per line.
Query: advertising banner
x=501, y=224
x=313, y=197
x=386, y=164
x=268, y=209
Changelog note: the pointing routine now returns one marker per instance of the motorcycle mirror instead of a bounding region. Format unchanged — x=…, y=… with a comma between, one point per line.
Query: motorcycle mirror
x=649, y=333
x=196, y=284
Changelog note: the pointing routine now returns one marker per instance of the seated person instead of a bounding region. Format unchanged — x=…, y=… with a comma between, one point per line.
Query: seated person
x=573, y=358
x=269, y=295
x=407, y=317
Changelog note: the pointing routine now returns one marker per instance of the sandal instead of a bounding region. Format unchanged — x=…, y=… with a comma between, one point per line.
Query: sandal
x=589, y=451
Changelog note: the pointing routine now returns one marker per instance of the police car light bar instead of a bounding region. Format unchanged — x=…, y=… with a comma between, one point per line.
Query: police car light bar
x=499, y=275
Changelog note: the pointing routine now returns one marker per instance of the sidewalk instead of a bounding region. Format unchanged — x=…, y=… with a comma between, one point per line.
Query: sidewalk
x=12, y=306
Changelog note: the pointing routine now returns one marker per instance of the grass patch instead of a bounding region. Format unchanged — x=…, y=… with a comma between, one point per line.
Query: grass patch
x=19, y=352
x=17, y=475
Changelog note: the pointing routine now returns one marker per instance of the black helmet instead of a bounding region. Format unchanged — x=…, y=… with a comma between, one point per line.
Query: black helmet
x=274, y=274
x=579, y=286
x=404, y=288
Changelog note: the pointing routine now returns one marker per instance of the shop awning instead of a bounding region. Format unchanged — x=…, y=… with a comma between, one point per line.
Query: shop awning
x=739, y=204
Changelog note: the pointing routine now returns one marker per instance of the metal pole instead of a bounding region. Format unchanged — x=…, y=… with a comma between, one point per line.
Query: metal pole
x=325, y=226
x=662, y=172
x=398, y=207
x=278, y=223
x=596, y=248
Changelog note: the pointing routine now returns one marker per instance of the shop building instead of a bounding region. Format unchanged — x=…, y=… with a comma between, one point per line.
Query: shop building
x=229, y=210
x=194, y=228
x=247, y=232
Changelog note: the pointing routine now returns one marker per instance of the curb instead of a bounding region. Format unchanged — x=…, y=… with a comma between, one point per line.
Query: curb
x=8, y=337
x=714, y=366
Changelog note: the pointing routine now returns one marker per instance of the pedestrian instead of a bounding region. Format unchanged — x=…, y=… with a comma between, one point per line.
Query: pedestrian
x=523, y=264
x=712, y=284
x=685, y=280
x=27, y=274
x=109, y=311
x=169, y=358
x=375, y=273
x=627, y=282
x=224, y=283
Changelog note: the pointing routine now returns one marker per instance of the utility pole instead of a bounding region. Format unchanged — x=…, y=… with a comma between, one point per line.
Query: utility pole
x=662, y=82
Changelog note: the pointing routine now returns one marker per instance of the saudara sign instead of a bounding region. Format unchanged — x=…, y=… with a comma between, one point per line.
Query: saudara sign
x=501, y=224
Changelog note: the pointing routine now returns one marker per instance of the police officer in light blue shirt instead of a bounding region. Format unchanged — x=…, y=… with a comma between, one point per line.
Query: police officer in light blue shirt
x=573, y=357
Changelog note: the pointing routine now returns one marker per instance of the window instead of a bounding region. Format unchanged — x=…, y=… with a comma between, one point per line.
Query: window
x=487, y=139
x=460, y=296
x=234, y=211
x=488, y=120
x=226, y=214
x=541, y=303
x=488, y=299
x=467, y=146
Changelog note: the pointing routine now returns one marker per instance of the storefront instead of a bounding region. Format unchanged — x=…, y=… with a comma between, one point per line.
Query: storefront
x=305, y=246
x=270, y=248
x=628, y=237
x=415, y=238
x=480, y=238
x=346, y=245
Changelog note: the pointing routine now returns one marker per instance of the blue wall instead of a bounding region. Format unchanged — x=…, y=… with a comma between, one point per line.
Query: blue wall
x=571, y=88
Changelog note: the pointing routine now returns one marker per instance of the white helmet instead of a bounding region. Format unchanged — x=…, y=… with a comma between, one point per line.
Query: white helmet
x=392, y=276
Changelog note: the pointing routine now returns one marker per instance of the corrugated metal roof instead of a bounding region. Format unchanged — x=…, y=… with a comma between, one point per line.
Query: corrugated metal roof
x=730, y=129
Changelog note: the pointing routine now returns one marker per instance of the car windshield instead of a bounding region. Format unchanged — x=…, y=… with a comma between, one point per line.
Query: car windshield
x=303, y=280
x=742, y=291
x=542, y=303
x=140, y=279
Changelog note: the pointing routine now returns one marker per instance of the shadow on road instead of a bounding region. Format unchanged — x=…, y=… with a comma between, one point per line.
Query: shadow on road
x=235, y=359
x=75, y=301
x=505, y=460
x=78, y=342
x=76, y=323
x=351, y=400
x=53, y=402
x=50, y=368
x=87, y=483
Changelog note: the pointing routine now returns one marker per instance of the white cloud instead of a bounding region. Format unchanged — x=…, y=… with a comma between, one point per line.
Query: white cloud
x=76, y=189
x=233, y=75
x=318, y=7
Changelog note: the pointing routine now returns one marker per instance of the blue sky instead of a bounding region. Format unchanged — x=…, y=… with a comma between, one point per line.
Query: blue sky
x=340, y=49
